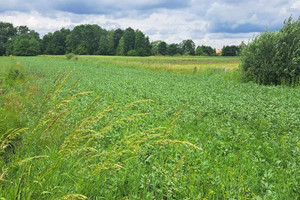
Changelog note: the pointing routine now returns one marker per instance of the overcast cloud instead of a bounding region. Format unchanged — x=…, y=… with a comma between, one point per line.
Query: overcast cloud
x=208, y=22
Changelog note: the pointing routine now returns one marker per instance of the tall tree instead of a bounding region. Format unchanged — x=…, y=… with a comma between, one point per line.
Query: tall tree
x=22, y=30
x=117, y=36
x=162, y=48
x=55, y=43
x=173, y=49
x=84, y=39
x=46, y=47
x=199, y=51
x=205, y=50
x=121, y=48
x=188, y=47
x=148, y=46
x=103, y=45
x=140, y=43
x=111, y=46
x=129, y=40
x=24, y=45
x=59, y=41
x=230, y=50
x=7, y=31
x=154, y=47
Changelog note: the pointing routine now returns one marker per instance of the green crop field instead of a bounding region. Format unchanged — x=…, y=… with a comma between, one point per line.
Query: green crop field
x=99, y=127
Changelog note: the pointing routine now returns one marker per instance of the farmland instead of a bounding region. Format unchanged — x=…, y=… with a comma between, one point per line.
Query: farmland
x=145, y=128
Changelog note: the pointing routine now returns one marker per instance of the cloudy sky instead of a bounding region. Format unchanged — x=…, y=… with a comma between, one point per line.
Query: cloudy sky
x=209, y=22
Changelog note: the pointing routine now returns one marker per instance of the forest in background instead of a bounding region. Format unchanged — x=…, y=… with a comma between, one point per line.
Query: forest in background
x=93, y=40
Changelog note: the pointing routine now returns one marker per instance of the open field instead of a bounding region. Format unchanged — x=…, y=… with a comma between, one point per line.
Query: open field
x=174, y=64
x=151, y=134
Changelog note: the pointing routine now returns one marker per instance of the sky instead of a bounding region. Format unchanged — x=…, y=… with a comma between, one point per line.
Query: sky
x=207, y=22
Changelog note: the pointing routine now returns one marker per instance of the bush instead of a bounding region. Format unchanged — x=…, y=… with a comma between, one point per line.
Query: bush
x=274, y=57
x=69, y=56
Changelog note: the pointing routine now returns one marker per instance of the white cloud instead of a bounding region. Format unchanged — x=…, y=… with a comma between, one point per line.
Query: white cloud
x=215, y=23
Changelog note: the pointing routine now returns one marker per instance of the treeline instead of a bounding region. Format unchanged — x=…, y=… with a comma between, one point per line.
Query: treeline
x=94, y=40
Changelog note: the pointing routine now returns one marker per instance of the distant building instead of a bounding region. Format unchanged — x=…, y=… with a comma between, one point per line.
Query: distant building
x=218, y=51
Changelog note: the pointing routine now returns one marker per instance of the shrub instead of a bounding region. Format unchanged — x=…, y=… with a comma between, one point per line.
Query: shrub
x=70, y=56
x=274, y=57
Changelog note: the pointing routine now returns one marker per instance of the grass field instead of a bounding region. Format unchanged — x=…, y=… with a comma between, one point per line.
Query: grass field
x=175, y=64
x=144, y=128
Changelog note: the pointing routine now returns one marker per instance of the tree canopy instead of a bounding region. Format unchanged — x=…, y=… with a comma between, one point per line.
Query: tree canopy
x=230, y=50
x=90, y=39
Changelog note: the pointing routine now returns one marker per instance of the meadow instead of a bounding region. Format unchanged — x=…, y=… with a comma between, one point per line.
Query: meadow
x=100, y=127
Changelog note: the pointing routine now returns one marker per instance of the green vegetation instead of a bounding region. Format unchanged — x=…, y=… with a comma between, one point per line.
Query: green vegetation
x=231, y=50
x=114, y=130
x=205, y=50
x=89, y=40
x=274, y=57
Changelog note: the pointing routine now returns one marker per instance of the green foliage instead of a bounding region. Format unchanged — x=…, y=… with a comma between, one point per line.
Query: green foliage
x=7, y=31
x=188, y=47
x=129, y=40
x=141, y=45
x=162, y=48
x=230, y=50
x=116, y=37
x=55, y=43
x=71, y=56
x=199, y=51
x=84, y=39
x=205, y=51
x=121, y=51
x=103, y=45
x=154, y=47
x=274, y=57
x=132, y=53
x=22, y=30
x=93, y=40
x=24, y=45
x=248, y=133
x=15, y=73
x=173, y=49
x=111, y=50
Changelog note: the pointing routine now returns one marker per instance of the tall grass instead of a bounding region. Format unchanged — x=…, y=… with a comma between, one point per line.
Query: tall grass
x=56, y=155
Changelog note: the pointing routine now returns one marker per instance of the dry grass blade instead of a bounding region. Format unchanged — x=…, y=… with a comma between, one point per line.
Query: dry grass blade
x=31, y=158
x=175, y=118
x=64, y=102
x=92, y=104
x=56, y=118
x=74, y=197
x=74, y=84
x=8, y=138
x=57, y=91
